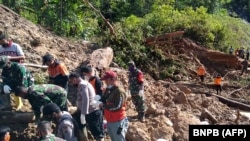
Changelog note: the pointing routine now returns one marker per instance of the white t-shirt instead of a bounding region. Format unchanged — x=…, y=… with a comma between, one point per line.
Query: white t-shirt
x=13, y=50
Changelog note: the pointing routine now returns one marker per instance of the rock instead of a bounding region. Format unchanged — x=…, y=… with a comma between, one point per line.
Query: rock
x=164, y=132
x=181, y=125
x=101, y=58
x=137, y=134
x=151, y=109
x=180, y=98
x=184, y=89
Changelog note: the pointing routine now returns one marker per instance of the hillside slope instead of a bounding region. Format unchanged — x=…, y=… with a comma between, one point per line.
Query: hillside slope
x=26, y=34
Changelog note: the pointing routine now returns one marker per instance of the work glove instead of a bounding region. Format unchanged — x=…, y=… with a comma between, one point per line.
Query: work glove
x=141, y=93
x=6, y=89
x=83, y=120
x=97, y=97
x=96, y=103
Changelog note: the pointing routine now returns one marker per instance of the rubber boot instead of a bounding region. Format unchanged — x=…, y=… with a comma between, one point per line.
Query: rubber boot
x=85, y=134
x=18, y=102
x=142, y=116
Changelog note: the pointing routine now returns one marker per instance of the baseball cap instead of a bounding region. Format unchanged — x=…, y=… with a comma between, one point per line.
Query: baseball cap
x=3, y=61
x=50, y=108
x=47, y=57
x=109, y=74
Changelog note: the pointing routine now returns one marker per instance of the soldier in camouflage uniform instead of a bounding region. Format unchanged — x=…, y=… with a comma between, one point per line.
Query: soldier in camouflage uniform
x=40, y=95
x=13, y=75
x=136, y=88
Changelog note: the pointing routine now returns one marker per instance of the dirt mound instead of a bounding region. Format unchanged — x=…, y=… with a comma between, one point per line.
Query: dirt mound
x=37, y=41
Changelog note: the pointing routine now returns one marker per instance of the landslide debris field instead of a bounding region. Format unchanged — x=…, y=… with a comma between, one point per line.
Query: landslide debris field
x=172, y=105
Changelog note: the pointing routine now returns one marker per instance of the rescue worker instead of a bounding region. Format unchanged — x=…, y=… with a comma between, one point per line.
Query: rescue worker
x=14, y=53
x=244, y=66
x=217, y=82
x=247, y=54
x=66, y=128
x=114, y=105
x=4, y=133
x=40, y=95
x=89, y=75
x=44, y=131
x=201, y=72
x=58, y=72
x=10, y=49
x=136, y=87
x=91, y=115
x=231, y=50
x=13, y=75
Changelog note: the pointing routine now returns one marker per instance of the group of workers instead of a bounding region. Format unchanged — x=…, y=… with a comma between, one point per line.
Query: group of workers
x=217, y=79
x=95, y=103
x=240, y=52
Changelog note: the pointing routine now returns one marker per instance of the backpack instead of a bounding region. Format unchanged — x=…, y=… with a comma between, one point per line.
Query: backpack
x=77, y=132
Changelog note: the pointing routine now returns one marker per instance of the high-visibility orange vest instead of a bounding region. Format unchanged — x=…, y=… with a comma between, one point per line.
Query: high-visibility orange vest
x=218, y=80
x=201, y=70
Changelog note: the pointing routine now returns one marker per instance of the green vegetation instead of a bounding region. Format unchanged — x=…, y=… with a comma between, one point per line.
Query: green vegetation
x=212, y=23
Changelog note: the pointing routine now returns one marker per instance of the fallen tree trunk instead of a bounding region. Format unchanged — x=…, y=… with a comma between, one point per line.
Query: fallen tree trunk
x=208, y=115
x=16, y=117
x=231, y=103
x=237, y=90
x=23, y=117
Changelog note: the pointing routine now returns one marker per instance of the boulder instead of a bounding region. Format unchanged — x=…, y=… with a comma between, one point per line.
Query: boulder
x=137, y=134
x=164, y=132
x=184, y=89
x=180, y=98
x=101, y=58
x=181, y=125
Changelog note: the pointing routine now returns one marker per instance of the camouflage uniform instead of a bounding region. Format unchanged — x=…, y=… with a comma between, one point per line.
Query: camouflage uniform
x=16, y=75
x=13, y=76
x=40, y=95
x=52, y=137
x=135, y=87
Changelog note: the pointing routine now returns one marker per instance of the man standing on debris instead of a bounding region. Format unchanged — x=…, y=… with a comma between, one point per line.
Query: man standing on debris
x=217, y=82
x=44, y=131
x=244, y=66
x=14, y=53
x=91, y=115
x=247, y=54
x=201, y=72
x=66, y=128
x=13, y=75
x=40, y=95
x=58, y=72
x=136, y=87
x=231, y=50
x=113, y=103
x=89, y=75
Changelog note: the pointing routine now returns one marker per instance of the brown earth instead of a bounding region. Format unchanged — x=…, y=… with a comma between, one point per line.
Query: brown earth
x=172, y=106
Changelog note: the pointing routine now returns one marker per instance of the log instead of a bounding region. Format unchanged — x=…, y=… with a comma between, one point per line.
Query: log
x=16, y=117
x=231, y=103
x=237, y=90
x=206, y=114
